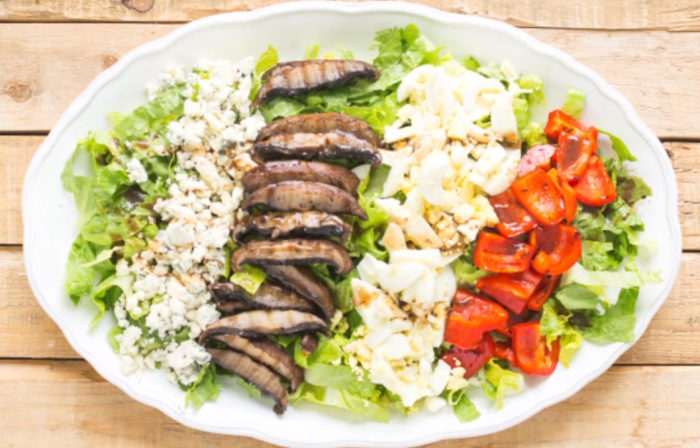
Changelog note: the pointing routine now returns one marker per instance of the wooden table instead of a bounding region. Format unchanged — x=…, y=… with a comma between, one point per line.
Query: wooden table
x=51, y=49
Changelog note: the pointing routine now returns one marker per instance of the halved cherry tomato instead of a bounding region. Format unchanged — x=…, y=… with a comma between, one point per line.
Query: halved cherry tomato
x=574, y=152
x=543, y=292
x=473, y=358
x=569, y=195
x=540, y=196
x=595, y=187
x=471, y=317
x=504, y=350
x=532, y=355
x=558, y=121
x=559, y=248
x=539, y=156
x=513, y=319
x=511, y=290
x=513, y=219
x=495, y=253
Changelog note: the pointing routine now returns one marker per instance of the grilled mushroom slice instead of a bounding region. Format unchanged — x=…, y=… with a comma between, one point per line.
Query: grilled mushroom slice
x=296, y=251
x=268, y=354
x=276, y=225
x=312, y=146
x=226, y=300
x=309, y=343
x=267, y=297
x=298, y=196
x=284, y=170
x=252, y=324
x=254, y=373
x=293, y=78
x=319, y=124
x=301, y=280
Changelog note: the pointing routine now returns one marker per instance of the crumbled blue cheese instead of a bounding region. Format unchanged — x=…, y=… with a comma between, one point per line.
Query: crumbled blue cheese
x=137, y=173
x=211, y=143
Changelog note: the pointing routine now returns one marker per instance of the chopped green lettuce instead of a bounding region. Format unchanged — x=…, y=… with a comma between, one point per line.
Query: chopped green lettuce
x=573, y=103
x=79, y=277
x=471, y=63
x=108, y=291
x=578, y=297
x=462, y=406
x=467, y=273
x=554, y=325
x=340, y=377
x=204, y=389
x=265, y=62
x=617, y=324
x=500, y=381
x=622, y=279
x=249, y=278
x=253, y=392
x=311, y=51
x=340, y=398
x=620, y=148
x=328, y=351
x=152, y=117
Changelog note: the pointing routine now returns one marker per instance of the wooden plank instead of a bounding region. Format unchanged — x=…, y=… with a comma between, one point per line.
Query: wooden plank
x=16, y=153
x=45, y=66
x=68, y=403
x=27, y=332
x=681, y=15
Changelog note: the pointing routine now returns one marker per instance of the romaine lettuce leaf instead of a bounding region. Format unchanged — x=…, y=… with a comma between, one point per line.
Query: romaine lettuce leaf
x=340, y=377
x=622, y=279
x=204, y=389
x=467, y=273
x=328, y=351
x=79, y=275
x=620, y=148
x=462, y=406
x=108, y=291
x=573, y=104
x=555, y=325
x=499, y=382
x=578, y=297
x=152, y=117
x=249, y=278
x=339, y=398
x=617, y=324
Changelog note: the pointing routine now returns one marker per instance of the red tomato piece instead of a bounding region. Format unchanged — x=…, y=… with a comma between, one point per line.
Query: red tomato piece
x=558, y=121
x=532, y=355
x=543, y=292
x=574, y=152
x=595, y=187
x=511, y=290
x=539, y=156
x=504, y=350
x=513, y=219
x=559, y=248
x=495, y=253
x=540, y=196
x=470, y=318
x=569, y=195
x=473, y=358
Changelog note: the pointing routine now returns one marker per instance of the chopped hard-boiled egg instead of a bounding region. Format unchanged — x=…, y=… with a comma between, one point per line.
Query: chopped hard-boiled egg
x=451, y=145
x=403, y=318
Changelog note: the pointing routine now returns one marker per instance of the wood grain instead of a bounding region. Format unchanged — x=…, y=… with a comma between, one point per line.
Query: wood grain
x=45, y=66
x=16, y=153
x=69, y=404
x=682, y=15
x=27, y=332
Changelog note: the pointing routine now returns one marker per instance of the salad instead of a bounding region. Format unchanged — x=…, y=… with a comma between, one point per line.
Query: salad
x=379, y=237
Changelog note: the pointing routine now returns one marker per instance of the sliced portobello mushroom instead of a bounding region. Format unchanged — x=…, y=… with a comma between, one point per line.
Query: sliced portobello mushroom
x=302, y=281
x=257, y=323
x=256, y=374
x=269, y=297
x=315, y=146
x=268, y=354
x=275, y=225
x=225, y=299
x=284, y=170
x=298, y=196
x=296, y=251
x=292, y=78
x=309, y=343
x=319, y=124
